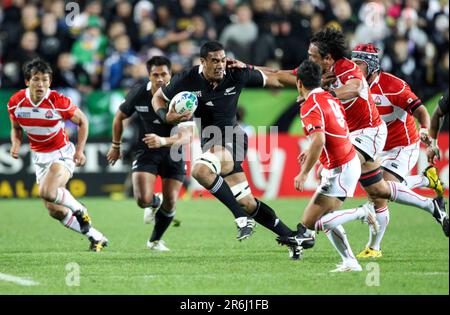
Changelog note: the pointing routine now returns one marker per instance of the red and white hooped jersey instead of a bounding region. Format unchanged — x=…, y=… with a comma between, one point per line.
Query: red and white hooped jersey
x=361, y=111
x=321, y=112
x=43, y=122
x=396, y=103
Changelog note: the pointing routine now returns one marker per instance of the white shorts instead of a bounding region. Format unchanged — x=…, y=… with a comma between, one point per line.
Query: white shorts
x=370, y=140
x=43, y=161
x=340, y=181
x=400, y=160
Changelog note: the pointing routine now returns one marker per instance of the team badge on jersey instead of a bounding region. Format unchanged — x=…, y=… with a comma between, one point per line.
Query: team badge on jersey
x=49, y=114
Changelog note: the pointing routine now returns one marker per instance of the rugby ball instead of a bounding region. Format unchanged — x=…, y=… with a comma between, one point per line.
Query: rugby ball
x=184, y=101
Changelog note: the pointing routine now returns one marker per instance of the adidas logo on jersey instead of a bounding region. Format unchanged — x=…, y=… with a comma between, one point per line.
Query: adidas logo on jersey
x=156, y=121
x=209, y=103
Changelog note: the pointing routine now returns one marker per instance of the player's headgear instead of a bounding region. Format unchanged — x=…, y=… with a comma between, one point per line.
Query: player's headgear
x=369, y=54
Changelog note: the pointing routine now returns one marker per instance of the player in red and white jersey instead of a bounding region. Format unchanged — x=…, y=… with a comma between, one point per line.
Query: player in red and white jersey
x=41, y=113
x=398, y=107
x=323, y=120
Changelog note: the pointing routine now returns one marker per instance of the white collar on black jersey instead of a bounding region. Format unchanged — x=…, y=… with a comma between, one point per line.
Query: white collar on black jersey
x=316, y=90
x=149, y=85
x=27, y=95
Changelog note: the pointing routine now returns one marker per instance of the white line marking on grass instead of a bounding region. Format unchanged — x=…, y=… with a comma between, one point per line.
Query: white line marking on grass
x=427, y=273
x=17, y=280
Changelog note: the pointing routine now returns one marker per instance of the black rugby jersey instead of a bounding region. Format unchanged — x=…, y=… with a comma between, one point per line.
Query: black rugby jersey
x=139, y=100
x=216, y=107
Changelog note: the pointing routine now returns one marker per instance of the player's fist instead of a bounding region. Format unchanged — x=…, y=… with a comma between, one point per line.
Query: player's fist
x=328, y=78
x=113, y=155
x=433, y=154
x=79, y=158
x=15, y=151
x=424, y=137
x=154, y=141
x=299, y=181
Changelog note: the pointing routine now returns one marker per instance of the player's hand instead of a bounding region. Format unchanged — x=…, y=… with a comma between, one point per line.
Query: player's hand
x=113, y=155
x=433, y=154
x=153, y=141
x=79, y=158
x=424, y=137
x=299, y=181
x=15, y=151
x=233, y=63
x=173, y=118
x=328, y=78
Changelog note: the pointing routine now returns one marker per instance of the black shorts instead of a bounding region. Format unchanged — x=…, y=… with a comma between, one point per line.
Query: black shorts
x=237, y=146
x=160, y=164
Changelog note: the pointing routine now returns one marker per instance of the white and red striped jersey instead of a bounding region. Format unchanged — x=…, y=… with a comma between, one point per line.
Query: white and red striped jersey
x=361, y=111
x=396, y=103
x=42, y=122
x=321, y=112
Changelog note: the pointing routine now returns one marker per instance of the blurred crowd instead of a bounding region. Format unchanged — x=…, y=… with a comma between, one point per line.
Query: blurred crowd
x=105, y=44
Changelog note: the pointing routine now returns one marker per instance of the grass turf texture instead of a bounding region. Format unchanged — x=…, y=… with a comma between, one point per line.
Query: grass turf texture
x=205, y=258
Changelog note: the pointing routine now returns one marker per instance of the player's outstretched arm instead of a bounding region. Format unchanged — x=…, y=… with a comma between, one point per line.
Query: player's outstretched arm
x=114, y=152
x=184, y=136
x=16, y=139
x=80, y=119
x=309, y=158
x=274, y=78
x=350, y=90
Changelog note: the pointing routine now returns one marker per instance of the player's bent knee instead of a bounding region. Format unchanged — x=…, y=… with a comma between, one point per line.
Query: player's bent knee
x=47, y=193
x=144, y=201
x=206, y=164
x=169, y=203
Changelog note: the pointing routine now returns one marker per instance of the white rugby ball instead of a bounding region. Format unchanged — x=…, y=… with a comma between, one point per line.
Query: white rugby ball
x=184, y=101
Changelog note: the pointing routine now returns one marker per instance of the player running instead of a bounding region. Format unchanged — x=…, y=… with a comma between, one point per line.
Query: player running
x=323, y=120
x=224, y=143
x=153, y=152
x=368, y=132
x=41, y=112
x=398, y=106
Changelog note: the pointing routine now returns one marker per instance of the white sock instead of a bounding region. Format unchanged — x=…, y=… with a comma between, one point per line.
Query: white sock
x=339, y=240
x=402, y=194
x=71, y=222
x=65, y=198
x=96, y=235
x=336, y=218
x=416, y=181
x=383, y=221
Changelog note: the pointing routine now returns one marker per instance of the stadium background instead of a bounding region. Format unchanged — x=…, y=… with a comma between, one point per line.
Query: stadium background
x=98, y=54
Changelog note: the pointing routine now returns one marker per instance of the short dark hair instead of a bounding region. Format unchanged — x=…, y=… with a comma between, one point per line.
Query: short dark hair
x=330, y=41
x=35, y=66
x=210, y=47
x=158, y=61
x=310, y=73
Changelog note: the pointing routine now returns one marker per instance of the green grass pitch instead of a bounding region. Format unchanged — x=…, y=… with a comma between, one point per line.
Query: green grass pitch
x=206, y=259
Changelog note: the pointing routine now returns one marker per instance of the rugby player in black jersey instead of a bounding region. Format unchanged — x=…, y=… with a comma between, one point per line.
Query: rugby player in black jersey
x=224, y=143
x=153, y=151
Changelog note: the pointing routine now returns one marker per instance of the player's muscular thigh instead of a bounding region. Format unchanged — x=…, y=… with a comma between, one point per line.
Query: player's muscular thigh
x=225, y=157
x=379, y=189
x=57, y=176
